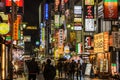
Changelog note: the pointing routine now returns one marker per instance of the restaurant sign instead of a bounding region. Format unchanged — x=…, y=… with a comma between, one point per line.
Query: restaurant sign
x=110, y=9
x=101, y=42
x=116, y=39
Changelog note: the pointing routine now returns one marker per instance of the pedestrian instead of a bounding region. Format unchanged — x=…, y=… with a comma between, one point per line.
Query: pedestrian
x=72, y=69
x=82, y=66
x=33, y=69
x=49, y=72
x=66, y=68
x=43, y=66
x=60, y=68
x=78, y=69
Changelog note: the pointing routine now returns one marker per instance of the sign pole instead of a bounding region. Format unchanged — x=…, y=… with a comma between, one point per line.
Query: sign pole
x=13, y=18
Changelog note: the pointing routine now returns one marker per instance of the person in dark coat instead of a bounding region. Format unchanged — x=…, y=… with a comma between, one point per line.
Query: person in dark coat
x=49, y=72
x=60, y=68
x=72, y=69
x=33, y=69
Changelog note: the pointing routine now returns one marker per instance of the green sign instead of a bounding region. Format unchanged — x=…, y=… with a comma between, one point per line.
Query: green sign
x=114, y=64
x=110, y=0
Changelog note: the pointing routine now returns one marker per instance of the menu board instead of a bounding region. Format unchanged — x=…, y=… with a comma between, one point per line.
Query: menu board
x=88, y=69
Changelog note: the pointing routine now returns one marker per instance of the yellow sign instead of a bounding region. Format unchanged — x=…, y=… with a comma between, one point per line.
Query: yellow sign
x=16, y=28
x=106, y=41
x=99, y=43
x=89, y=2
x=4, y=28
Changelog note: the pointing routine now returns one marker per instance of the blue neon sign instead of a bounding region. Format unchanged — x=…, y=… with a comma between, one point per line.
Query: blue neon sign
x=46, y=12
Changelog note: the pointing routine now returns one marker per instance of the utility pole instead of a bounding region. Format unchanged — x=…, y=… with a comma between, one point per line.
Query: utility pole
x=13, y=18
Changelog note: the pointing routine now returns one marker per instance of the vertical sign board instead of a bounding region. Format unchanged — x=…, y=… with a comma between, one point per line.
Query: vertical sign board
x=79, y=48
x=110, y=9
x=116, y=39
x=62, y=19
x=106, y=41
x=77, y=17
x=87, y=42
x=57, y=2
x=61, y=41
x=46, y=15
x=41, y=25
x=89, y=15
x=8, y=6
x=20, y=6
x=16, y=27
x=62, y=8
x=72, y=36
x=60, y=37
x=99, y=43
x=89, y=25
x=57, y=20
x=15, y=30
x=42, y=35
x=89, y=11
x=78, y=36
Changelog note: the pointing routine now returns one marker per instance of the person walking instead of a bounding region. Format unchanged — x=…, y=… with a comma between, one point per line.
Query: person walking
x=60, y=68
x=33, y=69
x=49, y=72
x=78, y=69
x=72, y=69
x=66, y=69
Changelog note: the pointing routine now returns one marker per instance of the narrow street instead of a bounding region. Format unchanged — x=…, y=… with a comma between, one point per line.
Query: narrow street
x=40, y=77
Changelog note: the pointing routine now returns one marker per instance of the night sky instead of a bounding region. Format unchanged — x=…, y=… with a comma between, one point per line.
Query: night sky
x=31, y=12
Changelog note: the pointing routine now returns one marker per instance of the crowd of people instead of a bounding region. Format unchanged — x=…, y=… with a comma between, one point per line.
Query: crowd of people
x=67, y=69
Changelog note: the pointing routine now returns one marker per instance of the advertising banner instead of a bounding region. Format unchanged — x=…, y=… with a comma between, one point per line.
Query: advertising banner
x=106, y=41
x=46, y=11
x=57, y=20
x=8, y=6
x=77, y=9
x=77, y=17
x=89, y=12
x=79, y=48
x=78, y=36
x=110, y=9
x=87, y=42
x=98, y=43
x=72, y=36
x=57, y=3
x=116, y=39
x=61, y=37
x=4, y=28
x=100, y=9
x=89, y=2
x=89, y=18
x=89, y=25
x=62, y=19
x=101, y=42
x=16, y=28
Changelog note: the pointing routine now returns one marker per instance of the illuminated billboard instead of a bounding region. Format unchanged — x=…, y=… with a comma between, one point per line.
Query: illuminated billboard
x=89, y=25
x=8, y=6
x=110, y=9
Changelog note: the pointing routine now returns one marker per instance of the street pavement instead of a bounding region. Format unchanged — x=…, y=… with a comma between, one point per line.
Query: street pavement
x=40, y=77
